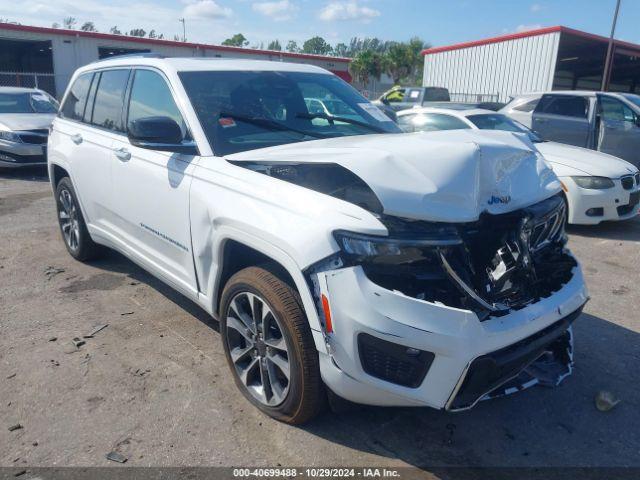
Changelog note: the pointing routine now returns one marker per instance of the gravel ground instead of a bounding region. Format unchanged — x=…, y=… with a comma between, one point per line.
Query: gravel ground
x=154, y=385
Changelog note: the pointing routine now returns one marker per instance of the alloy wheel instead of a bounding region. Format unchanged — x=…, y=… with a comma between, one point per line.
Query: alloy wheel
x=68, y=217
x=258, y=348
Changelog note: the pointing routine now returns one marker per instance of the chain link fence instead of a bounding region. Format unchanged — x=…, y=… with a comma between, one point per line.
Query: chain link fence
x=43, y=81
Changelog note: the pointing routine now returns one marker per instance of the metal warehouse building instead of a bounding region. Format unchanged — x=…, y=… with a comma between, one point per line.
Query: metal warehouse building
x=554, y=58
x=47, y=57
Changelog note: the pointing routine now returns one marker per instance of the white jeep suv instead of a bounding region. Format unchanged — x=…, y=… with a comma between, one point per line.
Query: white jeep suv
x=342, y=257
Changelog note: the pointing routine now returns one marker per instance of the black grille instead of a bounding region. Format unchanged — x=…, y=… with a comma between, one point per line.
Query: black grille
x=38, y=137
x=634, y=199
x=490, y=371
x=392, y=362
x=627, y=182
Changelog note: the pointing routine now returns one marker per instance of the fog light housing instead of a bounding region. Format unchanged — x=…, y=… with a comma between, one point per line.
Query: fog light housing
x=595, y=212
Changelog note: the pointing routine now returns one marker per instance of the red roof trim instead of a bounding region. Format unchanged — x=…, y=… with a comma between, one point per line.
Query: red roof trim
x=529, y=33
x=170, y=43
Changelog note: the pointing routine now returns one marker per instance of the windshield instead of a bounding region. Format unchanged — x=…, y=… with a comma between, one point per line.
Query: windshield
x=246, y=110
x=497, y=121
x=633, y=98
x=27, y=102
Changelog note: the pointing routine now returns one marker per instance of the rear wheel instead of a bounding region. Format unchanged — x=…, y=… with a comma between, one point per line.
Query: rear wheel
x=72, y=226
x=269, y=346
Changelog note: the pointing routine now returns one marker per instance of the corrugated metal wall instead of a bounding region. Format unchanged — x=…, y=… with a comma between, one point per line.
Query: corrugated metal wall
x=504, y=69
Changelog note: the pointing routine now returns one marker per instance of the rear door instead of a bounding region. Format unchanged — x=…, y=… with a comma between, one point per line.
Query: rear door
x=93, y=120
x=563, y=118
x=618, y=129
x=151, y=187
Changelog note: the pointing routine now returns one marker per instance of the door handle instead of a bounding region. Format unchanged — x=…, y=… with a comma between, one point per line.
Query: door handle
x=76, y=138
x=123, y=154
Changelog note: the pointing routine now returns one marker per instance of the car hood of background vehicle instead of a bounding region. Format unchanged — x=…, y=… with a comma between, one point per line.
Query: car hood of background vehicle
x=449, y=176
x=588, y=161
x=25, y=121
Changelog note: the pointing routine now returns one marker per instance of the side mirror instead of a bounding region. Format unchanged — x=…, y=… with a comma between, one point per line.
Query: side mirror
x=159, y=133
x=384, y=100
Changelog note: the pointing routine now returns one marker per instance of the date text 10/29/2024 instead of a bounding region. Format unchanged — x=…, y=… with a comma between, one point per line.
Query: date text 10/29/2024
x=363, y=472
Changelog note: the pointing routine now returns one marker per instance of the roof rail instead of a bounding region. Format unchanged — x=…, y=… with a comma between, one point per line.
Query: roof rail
x=132, y=55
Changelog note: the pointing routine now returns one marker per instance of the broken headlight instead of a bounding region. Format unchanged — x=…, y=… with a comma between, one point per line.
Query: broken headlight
x=594, y=183
x=358, y=246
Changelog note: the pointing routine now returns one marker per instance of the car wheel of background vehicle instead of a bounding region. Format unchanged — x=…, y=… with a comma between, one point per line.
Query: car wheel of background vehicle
x=269, y=346
x=72, y=226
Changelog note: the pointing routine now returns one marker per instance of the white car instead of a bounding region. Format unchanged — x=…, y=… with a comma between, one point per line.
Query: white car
x=597, y=186
x=25, y=117
x=339, y=256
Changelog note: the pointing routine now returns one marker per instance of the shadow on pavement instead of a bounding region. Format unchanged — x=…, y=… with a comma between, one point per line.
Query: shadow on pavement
x=34, y=174
x=536, y=428
x=628, y=230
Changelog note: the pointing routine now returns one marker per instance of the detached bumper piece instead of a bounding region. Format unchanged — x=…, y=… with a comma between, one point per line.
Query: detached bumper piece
x=393, y=362
x=544, y=358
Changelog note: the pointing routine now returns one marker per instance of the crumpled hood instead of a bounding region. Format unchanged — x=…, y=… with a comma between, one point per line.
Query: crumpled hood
x=25, y=121
x=588, y=161
x=448, y=176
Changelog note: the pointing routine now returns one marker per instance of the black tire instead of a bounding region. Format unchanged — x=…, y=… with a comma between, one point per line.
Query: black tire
x=305, y=397
x=72, y=226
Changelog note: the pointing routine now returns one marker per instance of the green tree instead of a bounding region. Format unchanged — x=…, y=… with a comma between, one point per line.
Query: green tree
x=417, y=45
x=274, y=45
x=367, y=65
x=115, y=30
x=138, y=32
x=88, y=27
x=292, y=46
x=316, y=45
x=399, y=62
x=152, y=34
x=341, y=50
x=237, y=40
x=69, y=23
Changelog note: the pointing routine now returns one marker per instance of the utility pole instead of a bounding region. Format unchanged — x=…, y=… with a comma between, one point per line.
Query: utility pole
x=184, y=29
x=608, y=62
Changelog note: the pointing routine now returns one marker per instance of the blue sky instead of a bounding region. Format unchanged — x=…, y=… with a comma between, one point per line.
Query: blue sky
x=439, y=22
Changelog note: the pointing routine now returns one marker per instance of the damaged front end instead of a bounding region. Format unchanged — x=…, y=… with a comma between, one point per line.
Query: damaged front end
x=492, y=267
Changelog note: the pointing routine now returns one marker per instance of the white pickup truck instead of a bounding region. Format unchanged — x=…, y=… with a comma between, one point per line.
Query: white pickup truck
x=342, y=257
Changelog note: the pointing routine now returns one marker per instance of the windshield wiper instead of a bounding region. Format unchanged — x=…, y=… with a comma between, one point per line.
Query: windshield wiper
x=332, y=118
x=269, y=124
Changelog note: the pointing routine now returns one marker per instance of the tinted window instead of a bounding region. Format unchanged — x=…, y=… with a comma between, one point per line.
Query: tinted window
x=566, y=105
x=245, y=110
x=151, y=97
x=413, y=95
x=527, y=106
x=107, y=109
x=497, y=121
x=435, y=94
x=614, y=110
x=27, y=102
x=430, y=122
x=74, y=103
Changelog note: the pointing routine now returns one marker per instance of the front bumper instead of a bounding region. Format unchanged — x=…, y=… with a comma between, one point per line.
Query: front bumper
x=454, y=337
x=614, y=203
x=13, y=154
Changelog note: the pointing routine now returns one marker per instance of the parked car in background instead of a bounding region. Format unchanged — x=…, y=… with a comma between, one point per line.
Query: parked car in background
x=25, y=117
x=338, y=253
x=597, y=186
x=400, y=98
x=604, y=121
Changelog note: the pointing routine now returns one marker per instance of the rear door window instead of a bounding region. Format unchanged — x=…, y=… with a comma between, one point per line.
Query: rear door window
x=564, y=105
x=107, y=108
x=76, y=100
x=614, y=110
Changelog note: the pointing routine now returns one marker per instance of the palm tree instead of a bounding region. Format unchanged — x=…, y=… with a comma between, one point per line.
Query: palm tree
x=366, y=65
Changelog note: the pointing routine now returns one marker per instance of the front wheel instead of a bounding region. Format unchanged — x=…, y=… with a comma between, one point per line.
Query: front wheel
x=72, y=226
x=269, y=346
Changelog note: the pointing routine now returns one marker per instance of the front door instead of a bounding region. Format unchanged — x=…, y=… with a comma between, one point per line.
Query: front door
x=563, y=118
x=151, y=188
x=618, y=129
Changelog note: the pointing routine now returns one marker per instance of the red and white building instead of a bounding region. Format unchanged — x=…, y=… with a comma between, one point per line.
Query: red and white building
x=553, y=58
x=47, y=57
